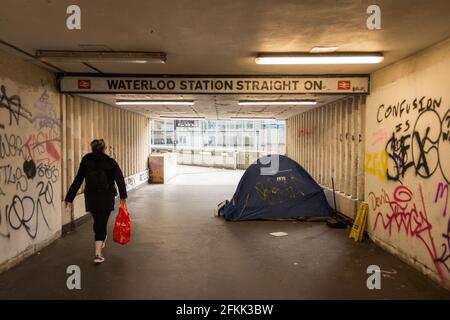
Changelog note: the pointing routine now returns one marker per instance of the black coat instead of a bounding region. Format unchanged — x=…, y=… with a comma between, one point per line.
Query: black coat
x=98, y=200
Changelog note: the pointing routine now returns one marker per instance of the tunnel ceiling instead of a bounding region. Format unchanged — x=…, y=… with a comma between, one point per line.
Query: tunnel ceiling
x=222, y=37
x=219, y=107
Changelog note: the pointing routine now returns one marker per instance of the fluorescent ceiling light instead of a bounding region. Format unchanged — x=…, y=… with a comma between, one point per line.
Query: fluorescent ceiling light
x=181, y=118
x=341, y=58
x=154, y=102
x=100, y=56
x=276, y=102
x=253, y=119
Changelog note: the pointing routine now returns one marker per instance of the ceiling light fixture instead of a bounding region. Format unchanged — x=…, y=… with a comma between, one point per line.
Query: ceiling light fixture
x=100, y=56
x=253, y=119
x=276, y=102
x=332, y=58
x=154, y=102
x=181, y=118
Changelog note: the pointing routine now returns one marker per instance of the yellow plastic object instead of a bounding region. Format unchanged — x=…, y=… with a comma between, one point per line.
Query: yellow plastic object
x=359, y=225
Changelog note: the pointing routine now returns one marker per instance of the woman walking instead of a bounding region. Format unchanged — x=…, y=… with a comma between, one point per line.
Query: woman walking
x=100, y=172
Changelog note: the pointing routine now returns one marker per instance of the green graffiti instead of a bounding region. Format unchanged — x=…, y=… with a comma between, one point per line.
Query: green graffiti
x=277, y=190
x=263, y=192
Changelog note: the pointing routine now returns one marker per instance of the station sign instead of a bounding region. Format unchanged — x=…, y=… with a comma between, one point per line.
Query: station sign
x=215, y=84
x=186, y=123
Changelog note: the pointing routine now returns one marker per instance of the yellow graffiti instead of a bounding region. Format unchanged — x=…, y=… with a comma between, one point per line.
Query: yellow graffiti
x=376, y=164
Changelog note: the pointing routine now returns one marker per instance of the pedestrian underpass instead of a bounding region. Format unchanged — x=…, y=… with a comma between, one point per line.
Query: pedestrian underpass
x=185, y=107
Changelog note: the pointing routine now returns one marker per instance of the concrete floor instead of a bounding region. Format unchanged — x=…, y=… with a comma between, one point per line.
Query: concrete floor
x=179, y=250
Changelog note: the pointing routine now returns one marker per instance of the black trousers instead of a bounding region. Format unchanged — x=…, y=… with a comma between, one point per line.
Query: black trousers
x=100, y=224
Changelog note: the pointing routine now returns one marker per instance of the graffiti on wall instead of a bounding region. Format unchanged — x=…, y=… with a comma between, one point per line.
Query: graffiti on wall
x=379, y=137
x=442, y=197
x=29, y=163
x=143, y=176
x=405, y=212
x=13, y=106
x=376, y=163
x=420, y=145
x=406, y=152
x=303, y=132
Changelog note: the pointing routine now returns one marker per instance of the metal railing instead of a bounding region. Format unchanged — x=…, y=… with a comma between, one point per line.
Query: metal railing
x=213, y=156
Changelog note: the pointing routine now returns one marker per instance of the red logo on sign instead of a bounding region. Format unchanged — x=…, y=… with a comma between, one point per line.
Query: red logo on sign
x=344, y=85
x=84, y=84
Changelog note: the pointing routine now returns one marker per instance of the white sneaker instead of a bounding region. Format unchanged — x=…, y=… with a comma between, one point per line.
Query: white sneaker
x=99, y=259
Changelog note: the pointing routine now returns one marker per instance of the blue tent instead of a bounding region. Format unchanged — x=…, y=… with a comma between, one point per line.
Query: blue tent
x=289, y=192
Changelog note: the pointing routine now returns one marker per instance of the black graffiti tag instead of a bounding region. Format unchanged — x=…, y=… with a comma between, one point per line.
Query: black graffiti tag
x=397, y=149
x=130, y=181
x=403, y=108
x=444, y=258
x=14, y=106
x=9, y=175
x=11, y=146
x=25, y=212
x=47, y=171
x=444, y=147
x=424, y=150
x=426, y=134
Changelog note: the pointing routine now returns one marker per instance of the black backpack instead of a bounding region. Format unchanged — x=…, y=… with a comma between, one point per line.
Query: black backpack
x=97, y=177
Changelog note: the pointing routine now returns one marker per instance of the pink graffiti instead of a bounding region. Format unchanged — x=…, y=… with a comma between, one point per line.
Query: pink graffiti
x=378, y=137
x=441, y=189
x=304, y=132
x=444, y=258
x=41, y=146
x=52, y=151
x=409, y=217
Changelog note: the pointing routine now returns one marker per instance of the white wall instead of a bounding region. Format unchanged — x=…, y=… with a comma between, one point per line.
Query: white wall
x=30, y=155
x=407, y=160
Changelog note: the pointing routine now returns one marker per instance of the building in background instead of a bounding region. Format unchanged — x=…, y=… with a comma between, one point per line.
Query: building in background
x=221, y=143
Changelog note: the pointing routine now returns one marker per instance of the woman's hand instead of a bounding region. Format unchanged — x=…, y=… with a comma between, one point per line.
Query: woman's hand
x=123, y=203
x=67, y=204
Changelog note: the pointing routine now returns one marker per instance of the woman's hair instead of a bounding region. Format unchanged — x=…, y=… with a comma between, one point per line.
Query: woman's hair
x=98, y=145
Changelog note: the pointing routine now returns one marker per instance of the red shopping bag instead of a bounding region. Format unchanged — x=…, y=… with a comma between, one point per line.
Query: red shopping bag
x=122, y=226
